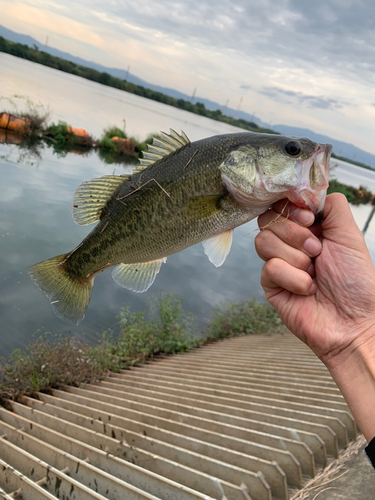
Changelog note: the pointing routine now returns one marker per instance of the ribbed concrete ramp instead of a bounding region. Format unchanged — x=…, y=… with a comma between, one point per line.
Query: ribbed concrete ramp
x=246, y=418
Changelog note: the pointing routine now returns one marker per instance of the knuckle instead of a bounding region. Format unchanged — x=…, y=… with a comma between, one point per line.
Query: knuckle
x=262, y=238
x=271, y=267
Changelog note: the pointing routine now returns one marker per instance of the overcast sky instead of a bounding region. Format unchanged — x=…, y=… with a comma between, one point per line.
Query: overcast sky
x=297, y=62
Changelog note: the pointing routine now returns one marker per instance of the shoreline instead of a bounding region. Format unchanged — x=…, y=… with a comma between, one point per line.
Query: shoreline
x=45, y=59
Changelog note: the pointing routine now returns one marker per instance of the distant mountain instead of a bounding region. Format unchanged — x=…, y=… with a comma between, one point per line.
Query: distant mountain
x=340, y=148
x=120, y=73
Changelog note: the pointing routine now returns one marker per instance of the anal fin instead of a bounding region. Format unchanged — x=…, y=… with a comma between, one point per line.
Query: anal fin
x=137, y=277
x=218, y=247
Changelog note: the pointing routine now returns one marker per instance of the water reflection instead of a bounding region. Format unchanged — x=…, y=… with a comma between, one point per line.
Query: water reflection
x=30, y=149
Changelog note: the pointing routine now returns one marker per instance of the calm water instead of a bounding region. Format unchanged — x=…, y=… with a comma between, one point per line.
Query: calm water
x=35, y=210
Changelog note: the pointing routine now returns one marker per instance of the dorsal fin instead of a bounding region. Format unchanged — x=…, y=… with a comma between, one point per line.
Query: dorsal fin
x=162, y=147
x=92, y=196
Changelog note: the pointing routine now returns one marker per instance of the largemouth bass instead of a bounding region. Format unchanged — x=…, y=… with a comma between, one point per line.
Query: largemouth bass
x=181, y=194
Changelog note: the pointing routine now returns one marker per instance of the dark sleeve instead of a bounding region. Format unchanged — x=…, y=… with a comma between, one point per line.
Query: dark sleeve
x=370, y=450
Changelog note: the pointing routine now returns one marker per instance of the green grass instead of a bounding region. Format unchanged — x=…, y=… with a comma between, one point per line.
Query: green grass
x=169, y=329
x=243, y=318
x=110, y=150
x=52, y=361
x=60, y=137
x=166, y=328
x=106, y=140
x=354, y=196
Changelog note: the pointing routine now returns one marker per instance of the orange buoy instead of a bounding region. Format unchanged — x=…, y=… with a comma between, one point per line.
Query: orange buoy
x=12, y=122
x=125, y=146
x=9, y=137
x=73, y=151
x=79, y=132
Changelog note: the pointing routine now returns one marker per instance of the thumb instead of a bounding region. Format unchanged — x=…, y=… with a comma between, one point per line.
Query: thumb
x=338, y=223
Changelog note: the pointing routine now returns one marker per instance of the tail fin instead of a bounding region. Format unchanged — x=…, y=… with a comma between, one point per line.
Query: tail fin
x=69, y=296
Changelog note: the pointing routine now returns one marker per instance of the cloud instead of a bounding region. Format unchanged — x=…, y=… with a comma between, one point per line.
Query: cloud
x=321, y=36
x=291, y=96
x=296, y=31
x=321, y=52
x=60, y=23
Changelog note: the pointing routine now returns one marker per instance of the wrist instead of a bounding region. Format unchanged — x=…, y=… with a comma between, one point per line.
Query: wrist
x=358, y=353
x=353, y=369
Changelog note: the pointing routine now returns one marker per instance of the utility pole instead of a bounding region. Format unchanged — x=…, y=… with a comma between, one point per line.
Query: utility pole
x=223, y=110
x=46, y=44
x=238, y=108
x=127, y=72
x=367, y=223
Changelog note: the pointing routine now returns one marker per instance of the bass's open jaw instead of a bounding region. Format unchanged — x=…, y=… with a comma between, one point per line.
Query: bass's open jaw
x=314, y=174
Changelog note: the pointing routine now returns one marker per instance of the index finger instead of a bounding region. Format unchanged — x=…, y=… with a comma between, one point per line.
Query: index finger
x=290, y=211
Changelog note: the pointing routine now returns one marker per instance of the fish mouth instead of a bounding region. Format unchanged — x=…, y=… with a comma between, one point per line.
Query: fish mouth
x=311, y=191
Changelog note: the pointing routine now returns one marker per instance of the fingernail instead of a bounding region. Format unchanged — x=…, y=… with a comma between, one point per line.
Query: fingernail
x=312, y=247
x=303, y=217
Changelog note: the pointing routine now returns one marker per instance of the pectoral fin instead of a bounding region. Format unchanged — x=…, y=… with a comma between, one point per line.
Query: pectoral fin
x=218, y=247
x=137, y=277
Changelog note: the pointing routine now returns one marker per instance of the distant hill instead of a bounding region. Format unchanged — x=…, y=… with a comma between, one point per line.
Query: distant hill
x=340, y=148
x=116, y=72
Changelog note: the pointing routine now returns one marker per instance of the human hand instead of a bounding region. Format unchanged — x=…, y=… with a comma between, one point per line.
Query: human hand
x=319, y=277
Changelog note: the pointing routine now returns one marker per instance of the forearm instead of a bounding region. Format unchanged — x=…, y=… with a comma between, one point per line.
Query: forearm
x=354, y=373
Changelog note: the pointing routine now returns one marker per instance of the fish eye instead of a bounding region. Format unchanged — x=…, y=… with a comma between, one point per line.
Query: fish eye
x=293, y=148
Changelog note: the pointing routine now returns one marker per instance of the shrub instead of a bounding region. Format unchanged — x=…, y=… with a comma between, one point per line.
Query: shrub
x=176, y=328
x=170, y=330
x=106, y=141
x=114, y=132
x=355, y=196
x=243, y=318
x=52, y=361
x=138, y=335
x=62, y=137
